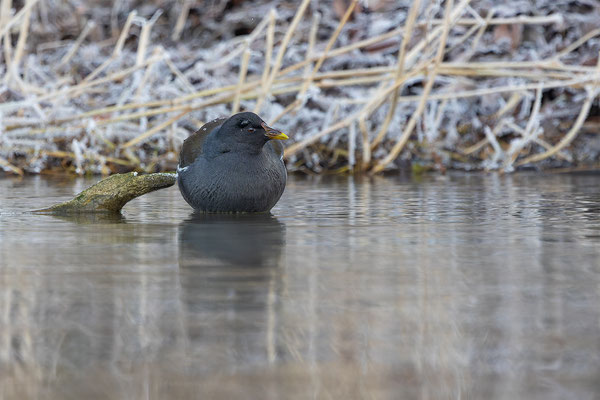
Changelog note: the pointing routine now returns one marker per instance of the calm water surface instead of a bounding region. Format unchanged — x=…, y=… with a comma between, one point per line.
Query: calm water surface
x=464, y=286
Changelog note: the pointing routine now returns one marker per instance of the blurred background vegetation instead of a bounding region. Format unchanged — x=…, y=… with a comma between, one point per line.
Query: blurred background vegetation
x=360, y=86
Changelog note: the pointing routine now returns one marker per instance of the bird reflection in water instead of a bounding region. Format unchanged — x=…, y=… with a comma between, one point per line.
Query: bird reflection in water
x=229, y=273
x=235, y=240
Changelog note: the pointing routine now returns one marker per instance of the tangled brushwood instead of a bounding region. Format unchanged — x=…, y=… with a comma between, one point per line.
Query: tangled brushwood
x=359, y=86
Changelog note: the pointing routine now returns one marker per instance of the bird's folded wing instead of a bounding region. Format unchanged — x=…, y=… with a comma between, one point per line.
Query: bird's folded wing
x=192, y=146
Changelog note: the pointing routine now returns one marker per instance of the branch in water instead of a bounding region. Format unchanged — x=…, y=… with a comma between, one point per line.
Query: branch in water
x=111, y=194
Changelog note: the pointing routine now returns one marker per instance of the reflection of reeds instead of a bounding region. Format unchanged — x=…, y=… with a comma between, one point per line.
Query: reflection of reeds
x=111, y=120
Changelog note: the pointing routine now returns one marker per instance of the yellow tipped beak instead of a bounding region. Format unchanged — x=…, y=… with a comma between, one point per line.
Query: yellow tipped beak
x=274, y=133
x=280, y=136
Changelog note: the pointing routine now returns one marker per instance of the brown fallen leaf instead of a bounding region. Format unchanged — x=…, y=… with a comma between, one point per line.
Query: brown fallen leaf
x=340, y=7
x=511, y=34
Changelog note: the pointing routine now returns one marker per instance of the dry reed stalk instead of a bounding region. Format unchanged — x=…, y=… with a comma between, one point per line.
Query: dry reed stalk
x=224, y=98
x=504, y=73
x=90, y=157
x=6, y=165
x=89, y=25
x=23, y=12
x=124, y=33
x=309, y=79
x=155, y=129
x=5, y=7
x=440, y=113
x=592, y=93
x=474, y=148
x=528, y=134
x=179, y=25
x=373, y=103
x=417, y=49
x=23, y=32
x=112, y=77
x=72, y=91
x=445, y=68
x=573, y=46
x=344, y=49
x=435, y=34
x=309, y=51
x=576, y=83
x=328, y=47
x=145, y=38
x=243, y=70
x=351, y=145
x=116, y=51
x=7, y=53
x=541, y=64
x=354, y=72
x=399, y=145
x=465, y=37
x=208, y=92
x=169, y=103
x=393, y=33
x=514, y=100
x=561, y=154
x=269, y=46
x=312, y=40
x=156, y=55
x=241, y=41
x=291, y=89
x=296, y=147
x=13, y=76
x=475, y=27
x=520, y=20
x=177, y=72
x=539, y=141
x=498, y=151
x=282, y=50
x=410, y=23
x=366, y=146
x=480, y=31
x=131, y=157
x=454, y=70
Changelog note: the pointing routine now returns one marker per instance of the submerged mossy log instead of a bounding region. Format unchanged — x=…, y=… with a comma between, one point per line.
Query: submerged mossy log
x=111, y=194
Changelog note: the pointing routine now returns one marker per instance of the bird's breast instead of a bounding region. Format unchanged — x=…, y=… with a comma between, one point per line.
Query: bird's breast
x=233, y=182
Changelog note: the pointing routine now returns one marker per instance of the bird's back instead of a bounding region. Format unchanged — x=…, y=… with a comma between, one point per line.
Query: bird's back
x=192, y=146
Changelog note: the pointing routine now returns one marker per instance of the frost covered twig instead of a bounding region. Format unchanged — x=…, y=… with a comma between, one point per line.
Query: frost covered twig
x=395, y=151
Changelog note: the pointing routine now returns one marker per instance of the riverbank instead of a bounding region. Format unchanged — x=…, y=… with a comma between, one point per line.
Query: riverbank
x=94, y=89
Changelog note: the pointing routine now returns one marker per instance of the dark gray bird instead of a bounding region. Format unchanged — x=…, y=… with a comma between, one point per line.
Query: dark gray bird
x=231, y=165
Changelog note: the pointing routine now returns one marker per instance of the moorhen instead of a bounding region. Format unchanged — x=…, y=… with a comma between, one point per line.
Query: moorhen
x=233, y=165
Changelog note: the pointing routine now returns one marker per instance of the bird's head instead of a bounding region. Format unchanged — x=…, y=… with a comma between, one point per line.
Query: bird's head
x=247, y=132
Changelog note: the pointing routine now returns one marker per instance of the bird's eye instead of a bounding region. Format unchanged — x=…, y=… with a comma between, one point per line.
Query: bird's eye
x=251, y=130
x=244, y=123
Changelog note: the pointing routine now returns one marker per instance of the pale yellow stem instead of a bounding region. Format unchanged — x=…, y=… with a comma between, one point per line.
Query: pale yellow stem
x=397, y=148
x=282, y=50
x=410, y=23
x=238, y=90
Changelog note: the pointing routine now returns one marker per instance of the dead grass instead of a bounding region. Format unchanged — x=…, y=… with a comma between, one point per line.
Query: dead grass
x=446, y=86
